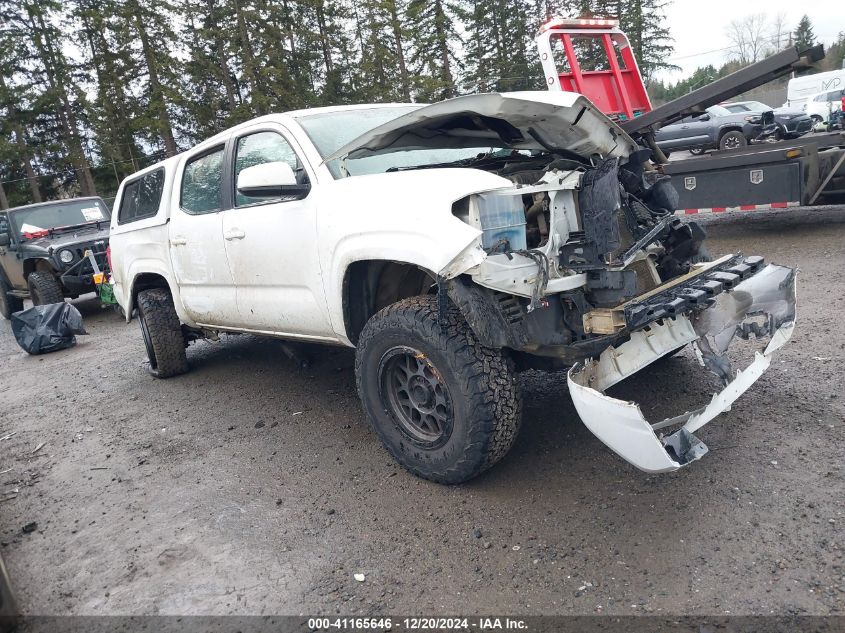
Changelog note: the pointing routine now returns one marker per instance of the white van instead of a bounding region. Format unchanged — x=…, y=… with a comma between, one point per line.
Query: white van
x=819, y=106
x=800, y=89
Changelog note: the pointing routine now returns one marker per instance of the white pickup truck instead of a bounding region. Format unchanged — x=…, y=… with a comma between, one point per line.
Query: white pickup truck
x=452, y=245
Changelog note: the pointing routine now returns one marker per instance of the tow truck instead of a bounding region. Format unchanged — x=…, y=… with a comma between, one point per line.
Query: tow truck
x=594, y=57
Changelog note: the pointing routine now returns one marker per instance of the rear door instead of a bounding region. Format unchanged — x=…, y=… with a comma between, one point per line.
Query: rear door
x=196, y=239
x=272, y=243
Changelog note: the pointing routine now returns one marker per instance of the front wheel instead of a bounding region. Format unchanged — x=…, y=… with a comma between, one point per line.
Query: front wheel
x=162, y=333
x=44, y=289
x=444, y=406
x=732, y=140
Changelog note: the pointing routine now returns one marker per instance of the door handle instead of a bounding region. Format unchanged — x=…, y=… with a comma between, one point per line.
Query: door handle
x=234, y=234
x=178, y=241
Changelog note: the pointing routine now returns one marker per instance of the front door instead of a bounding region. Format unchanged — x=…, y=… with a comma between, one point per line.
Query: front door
x=272, y=246
x=196, y=241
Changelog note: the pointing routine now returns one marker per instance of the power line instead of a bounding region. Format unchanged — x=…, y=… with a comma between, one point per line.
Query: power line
x=76, y=169
x=715, y=50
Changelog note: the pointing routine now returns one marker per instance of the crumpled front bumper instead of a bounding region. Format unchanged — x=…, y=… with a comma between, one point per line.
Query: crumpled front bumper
x=762, y=306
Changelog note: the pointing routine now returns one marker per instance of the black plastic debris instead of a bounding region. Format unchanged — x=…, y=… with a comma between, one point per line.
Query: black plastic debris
x=47, y=328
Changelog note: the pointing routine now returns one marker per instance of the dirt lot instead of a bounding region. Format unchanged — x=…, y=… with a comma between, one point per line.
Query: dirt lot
x=252, y=486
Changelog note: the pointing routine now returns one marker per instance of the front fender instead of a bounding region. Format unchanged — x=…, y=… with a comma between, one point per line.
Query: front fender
x=403, y=217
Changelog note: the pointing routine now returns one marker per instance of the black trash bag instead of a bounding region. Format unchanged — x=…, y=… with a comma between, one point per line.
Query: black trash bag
x=47, y=328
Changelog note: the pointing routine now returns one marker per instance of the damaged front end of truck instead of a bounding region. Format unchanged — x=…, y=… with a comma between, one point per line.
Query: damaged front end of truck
x=579, y=261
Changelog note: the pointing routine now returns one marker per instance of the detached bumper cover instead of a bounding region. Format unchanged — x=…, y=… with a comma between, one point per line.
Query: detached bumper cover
x=762, y=306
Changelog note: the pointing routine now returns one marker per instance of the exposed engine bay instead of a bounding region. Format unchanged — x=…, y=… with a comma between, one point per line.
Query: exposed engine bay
x=635, y=283
x=581, y=263
x=605, y=233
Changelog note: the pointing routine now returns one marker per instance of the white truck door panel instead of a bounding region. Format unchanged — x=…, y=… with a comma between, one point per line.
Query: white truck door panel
x=272, y=251
x=196, y=240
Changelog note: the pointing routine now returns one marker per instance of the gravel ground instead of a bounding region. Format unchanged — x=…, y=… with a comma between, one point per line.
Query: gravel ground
x=252, y=486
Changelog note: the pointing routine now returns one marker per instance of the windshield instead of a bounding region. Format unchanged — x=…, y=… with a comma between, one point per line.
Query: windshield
x=35, y=221
x=331, y=131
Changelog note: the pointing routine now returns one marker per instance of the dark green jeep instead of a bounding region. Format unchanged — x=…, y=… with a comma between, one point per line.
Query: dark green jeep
x=43, y=251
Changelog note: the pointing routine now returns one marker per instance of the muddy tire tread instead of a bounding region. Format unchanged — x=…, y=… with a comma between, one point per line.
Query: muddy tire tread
x=45, y=288
x=155, y=307
x=487, y=379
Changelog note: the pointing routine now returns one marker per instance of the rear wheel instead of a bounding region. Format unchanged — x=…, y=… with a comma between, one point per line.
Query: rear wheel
x=697, y=151
x=162, y=333
x=8, y=304
x=445, y=407
x=732, y=140
x=44, y=288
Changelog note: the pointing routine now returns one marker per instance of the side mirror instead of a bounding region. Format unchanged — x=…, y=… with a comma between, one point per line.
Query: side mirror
x=270, y=180
x=704, y=117
x=5, y=239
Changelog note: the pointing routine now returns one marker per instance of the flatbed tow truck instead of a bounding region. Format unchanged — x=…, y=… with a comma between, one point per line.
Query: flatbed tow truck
x=594, y=58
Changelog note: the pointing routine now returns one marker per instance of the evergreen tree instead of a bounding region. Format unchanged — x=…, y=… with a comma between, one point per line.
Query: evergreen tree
x=32, y=32
x=835, y=54
x=382, y=74
x=214, y=96
x=434, y=61
x=112, y=110
x=88, y=87
x=150, y=24
x=644, y=22
x=501, y=53
x=803, y=34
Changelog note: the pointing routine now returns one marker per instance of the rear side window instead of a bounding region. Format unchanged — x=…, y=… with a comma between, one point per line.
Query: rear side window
x=202, y=183
x=141, y=197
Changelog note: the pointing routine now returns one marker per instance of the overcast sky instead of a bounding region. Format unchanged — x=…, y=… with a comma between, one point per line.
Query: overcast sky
x=699, y=26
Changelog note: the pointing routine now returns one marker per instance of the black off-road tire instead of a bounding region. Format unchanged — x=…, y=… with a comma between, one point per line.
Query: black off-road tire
x=727, y=140
x=480, y=385
x=162, y=333
x=44, y=289
x=8, y=304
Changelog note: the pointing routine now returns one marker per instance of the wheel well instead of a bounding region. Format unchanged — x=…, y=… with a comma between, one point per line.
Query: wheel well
x=36, y=264
x=724, y=131
x=145, y=281
x=370, y=285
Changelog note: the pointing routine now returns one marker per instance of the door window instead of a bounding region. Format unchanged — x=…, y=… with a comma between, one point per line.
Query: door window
x=202, y=181
x=260, y=148
x=4, y=223
x=141, y=197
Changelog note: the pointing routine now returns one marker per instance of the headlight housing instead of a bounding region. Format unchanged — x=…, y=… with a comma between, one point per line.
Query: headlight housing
x=66, y=256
